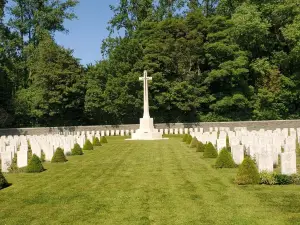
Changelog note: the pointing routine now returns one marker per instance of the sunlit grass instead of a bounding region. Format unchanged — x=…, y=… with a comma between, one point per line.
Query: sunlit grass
x=125, y=182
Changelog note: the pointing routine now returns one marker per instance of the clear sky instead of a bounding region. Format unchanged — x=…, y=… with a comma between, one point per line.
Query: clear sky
x=87, y=32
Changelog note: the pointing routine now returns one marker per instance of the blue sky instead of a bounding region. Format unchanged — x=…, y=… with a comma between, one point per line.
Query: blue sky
x=87, y=32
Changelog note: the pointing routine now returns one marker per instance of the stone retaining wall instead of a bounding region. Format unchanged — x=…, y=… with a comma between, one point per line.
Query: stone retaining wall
x=251, y=125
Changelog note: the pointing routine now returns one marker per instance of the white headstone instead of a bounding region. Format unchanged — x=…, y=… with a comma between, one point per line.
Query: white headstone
x=22, y=159
x=237, y=152
x=6, y=160
x=288, y=163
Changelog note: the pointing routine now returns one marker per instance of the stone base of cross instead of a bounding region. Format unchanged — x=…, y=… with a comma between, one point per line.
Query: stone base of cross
x=146, y=130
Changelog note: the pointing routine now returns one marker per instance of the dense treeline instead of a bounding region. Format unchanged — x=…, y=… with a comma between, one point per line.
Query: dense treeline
x=211, y=60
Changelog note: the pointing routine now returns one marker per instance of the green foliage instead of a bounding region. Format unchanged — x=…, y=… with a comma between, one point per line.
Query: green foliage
x=96, y=142
x=35, y=165
x=103, y=140
x=282, y=179
x=211, y=61
x=225, y=160
x=59, y=156
x=185, y=137
x=3, y=181
x=43, y=156
x=267, y=178
x=200, y=147
x=247, y=173
x=76, y=150
x=13, y=168
x=87, y=145
x=189, y=139
x=210, y=151
x=194, y=143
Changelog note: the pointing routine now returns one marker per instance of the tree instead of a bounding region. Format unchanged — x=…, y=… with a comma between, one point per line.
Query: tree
x=56, y=93
x=31, y=17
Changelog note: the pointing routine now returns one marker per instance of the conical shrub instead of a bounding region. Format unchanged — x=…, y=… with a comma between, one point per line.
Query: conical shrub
x=103, y=140
x=210, y=151
x=184, y=138
x=189, y=139
x=96, y=142
x=247, y=173
x=35, y=165
x=224, y=159
x=76, y=150
x=194, y=143
x=88, y=145
x=200, y=147
x=3, y=181
x=59, y=156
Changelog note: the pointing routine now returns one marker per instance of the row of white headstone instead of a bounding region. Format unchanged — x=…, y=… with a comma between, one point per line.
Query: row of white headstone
x=265, y=147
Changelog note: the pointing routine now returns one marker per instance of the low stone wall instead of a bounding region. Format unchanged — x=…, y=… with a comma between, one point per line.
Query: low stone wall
x=251, y=125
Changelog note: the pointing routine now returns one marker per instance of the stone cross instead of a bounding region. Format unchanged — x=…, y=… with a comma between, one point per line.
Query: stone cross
x=145, y=78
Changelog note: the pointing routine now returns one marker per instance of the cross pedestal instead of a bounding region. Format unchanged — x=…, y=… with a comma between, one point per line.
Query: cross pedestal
x=146, y=130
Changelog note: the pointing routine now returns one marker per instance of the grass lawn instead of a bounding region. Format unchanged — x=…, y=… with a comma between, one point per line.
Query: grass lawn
x=162, y=182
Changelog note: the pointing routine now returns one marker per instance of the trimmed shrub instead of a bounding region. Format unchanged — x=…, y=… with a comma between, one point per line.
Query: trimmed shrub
x=224, y=159
x=3, y=181
x=87, y=145
x=184, y=138
x=194, y=143
x=210, y=151
x=200, y=147
x=295, y=179
x=189, y=139
x=247, y=173
x=96, y=142
x=35, y=165
x=43, y=156
x=282, y=179
x=103, y=140
x=59, y=156
x=76, y=150
x=13, y=168
x=267, y=178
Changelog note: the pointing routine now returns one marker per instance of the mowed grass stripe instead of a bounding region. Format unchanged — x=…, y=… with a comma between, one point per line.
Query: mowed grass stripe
x=160, y=182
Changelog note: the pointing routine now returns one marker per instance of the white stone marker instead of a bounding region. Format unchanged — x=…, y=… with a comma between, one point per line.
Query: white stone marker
x=265, y=161
x=6, y=160
x=176, y=131
x=127, y=132
x=237, y=152
x=146, y=130
x=107, y=133
x=171, y=131
x=102, y=133
x=186, y=130
x=122, y=133
x=117, y=132
x=22, y=159
x=166, y=131
x=180, y=131
x=288, y=163
x=221, y=143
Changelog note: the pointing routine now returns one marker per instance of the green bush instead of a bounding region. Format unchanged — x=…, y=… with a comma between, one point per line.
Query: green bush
x=13, y=168
x=3, y=181
x=103, y=140
x=194, y=143
x=189, y=139
x=225, y=160
x=295, y=179
x=200, y=147
x=210, y=151
x=43, y=156
x=267, y=178
x=35, y=165
x=76, y=150
x=184, y=138
x=247, y=173
x=282, y=179
x=59, y=156
x=96, y=142
x=88, y=145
